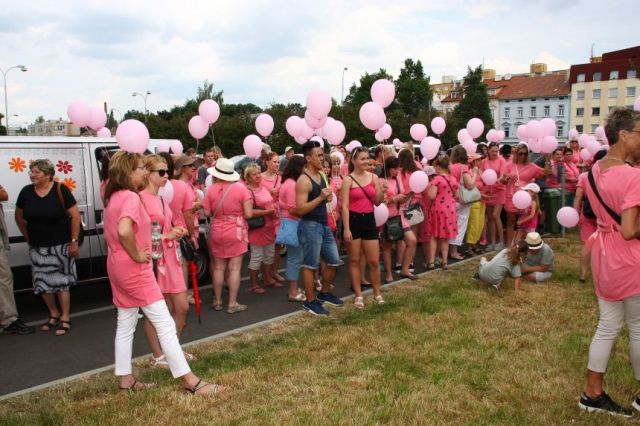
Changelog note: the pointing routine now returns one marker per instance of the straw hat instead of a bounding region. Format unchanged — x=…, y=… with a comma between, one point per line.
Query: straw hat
x=224, y=170
x=534, y=241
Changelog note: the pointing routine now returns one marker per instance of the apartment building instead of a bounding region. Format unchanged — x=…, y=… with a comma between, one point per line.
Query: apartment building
x=53, y=128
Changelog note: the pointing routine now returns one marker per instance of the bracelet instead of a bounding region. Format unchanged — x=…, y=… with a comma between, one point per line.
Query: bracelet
x=74, y=240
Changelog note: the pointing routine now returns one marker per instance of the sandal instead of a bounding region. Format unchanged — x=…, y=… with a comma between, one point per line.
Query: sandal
x=217, y=306
x=215, y=388
x=358, y=302
x=300, y=297
x=379, y=300
x=257, y=290
x=445, y=266
x=409, y=276
x=47, y=326
x=279, y=278
x=63, y=328
x=274, y=284
x=189, y=357
x=236, y=308
x=138, y=386
x=160, y=362
x=430, y=267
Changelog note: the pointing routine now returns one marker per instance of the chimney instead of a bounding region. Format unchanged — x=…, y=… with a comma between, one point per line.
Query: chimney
x=538, y=68
x=488, y=74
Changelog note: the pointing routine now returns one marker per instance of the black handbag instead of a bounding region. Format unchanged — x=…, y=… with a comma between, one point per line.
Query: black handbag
x=187, y=249
x=393, y=227
x=61, y=199
x=256, y=222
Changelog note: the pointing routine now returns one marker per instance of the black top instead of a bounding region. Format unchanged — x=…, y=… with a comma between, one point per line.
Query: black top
x=319, y=214
x=47, y=223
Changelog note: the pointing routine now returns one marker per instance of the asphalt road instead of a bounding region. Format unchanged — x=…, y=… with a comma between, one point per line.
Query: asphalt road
x=37, y=359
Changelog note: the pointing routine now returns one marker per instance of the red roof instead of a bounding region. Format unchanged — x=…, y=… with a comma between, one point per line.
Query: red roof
x=540, y=86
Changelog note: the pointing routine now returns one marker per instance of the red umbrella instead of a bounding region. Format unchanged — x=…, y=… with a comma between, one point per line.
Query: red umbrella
x=196, y=293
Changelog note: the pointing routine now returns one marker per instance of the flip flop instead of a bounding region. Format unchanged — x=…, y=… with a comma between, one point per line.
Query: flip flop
x=257, y=290
x=63, y=328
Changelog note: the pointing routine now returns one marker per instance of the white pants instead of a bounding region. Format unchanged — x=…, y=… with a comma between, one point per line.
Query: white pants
x=260, y=255
x=613, y=315
x=463, y=211
x=161, y=319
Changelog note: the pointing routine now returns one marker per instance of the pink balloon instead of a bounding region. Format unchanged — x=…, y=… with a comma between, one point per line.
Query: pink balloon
x=79, y=113
x=318, y=104
x=593, y=147
x=307, y=131
x=300, y=139
x=294, y=126
x=372, y=116
x=475, y=127
x=470, y=146
x=252, y=146
x=548, y=127
x=429, y=147
x=418, y=132
x=176, y=147
x=385, y=131
x=209, y=110
x=397, y=143
x=383, y=92
x=381, y=214
x=549, y=144
x=418, y=181
x=464, y=136
x=313, y=122
x=583, y=140
x=104, y=133
x=500, y=135
x=489, y=177
x=573, y=134
x=535, y=145
x=534, y=129
x=438, y=125
x=198, y=127
x=317, y=139
x=166, y=192
x=599, y=133
x=163, y=146
x=132, y=136
x=338, y=154
x=521, y=199
x=568, y=217
x=522, y=133
x=491, y=135
x=335, y=132
x=378, y=137
x=585, y=154
x=98, y=118
x=264, y=125
x=353, y=144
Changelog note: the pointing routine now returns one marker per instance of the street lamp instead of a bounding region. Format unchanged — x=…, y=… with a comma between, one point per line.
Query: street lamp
x=6, y=102
x=342, y=92
x=144, y=97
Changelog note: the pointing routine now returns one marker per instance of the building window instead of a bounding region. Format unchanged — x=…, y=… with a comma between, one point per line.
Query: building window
x=60, y=127
x=593, y=128
x=560, y=110
x=520, y=112
x=506, y=131
x=580, y=94
x=579, y=128
x=560, y=131
x=532, y=112
x=507, y=112
x=547, y=110
x=631, y=91
x=595, y=111
x=613, y=75
x=597, y=76
x=613, y=92
x=580, y=112
x=580, y=77
x=631, y=74
x=595, y=93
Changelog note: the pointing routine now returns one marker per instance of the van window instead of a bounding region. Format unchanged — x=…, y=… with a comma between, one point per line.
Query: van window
x=101, y=154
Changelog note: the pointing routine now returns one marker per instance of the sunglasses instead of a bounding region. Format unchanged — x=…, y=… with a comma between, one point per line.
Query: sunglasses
x=522, y=154
x=161, y=172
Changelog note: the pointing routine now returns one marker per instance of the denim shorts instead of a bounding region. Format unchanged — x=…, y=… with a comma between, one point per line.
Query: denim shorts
x=294, y=260
x=316, y=240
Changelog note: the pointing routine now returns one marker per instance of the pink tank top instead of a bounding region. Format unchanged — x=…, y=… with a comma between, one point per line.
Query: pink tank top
x=359, y=202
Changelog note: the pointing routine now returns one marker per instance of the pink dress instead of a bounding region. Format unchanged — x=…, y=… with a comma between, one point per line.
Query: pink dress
x=495, y=193
x=443, y=219
x=520, y=176
x=170, y=277
x=132, y=284
x=183, y=199
x=228, y=236
x=270, y=184
x=267, y=234
x=571, y=171
x=587, y=225
x=532, y=224
x=614, y=261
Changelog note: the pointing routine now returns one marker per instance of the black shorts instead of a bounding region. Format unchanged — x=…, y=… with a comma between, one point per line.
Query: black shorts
x=363, y=226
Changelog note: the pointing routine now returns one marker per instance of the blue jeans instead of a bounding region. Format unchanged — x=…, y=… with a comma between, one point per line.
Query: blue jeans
x=294, y=260
x=316, y=240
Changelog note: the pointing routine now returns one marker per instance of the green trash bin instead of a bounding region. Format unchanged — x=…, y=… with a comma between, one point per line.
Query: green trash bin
x=551, y=204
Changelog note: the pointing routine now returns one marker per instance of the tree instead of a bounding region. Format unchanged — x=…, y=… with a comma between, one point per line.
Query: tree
x=413, y=92
x=474, y=103
x=39, y=120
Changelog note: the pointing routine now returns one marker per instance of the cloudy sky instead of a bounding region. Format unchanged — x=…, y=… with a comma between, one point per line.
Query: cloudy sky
x=276, y=51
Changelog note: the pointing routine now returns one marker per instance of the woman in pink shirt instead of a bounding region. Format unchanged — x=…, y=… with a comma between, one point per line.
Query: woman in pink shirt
x=271, y=181
x=361, y=191
x=495, y=197
x=557, y=158
x=571, y=172
x=127, y=231
x=262, y=239
x=615, y=250
x=407, y=166
x=229, y=203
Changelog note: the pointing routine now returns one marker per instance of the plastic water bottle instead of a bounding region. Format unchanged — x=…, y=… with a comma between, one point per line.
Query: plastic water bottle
x=156, y=240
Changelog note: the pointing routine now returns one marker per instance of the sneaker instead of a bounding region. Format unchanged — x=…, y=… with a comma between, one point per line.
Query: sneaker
x=603, y=404
x=315, y=308
x=496, y=287
x=489, y=247
x=397, y=268
x=475, y=276
x=636, y=403
x=412, y=268
x=329, y=298
x=18, y=327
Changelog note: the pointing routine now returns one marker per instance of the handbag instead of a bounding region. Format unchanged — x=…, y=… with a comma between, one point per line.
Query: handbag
x=288, y=232
x=81, y=233
x=468, y=196
x=256, y=222
x=393, y=226
x=187, y=248
x=413, y=213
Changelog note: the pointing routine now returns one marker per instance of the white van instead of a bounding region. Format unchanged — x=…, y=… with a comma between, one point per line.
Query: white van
x=77, y=161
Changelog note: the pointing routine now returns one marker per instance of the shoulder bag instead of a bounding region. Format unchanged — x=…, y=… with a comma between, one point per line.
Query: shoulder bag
x=615, y=216
x=61, y=199
x=413, y=213
x=256, y=222
x=393, y=226
x=467, y=196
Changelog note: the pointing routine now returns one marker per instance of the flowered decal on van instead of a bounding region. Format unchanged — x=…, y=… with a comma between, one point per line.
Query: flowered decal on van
x=64, y=167
x=17, y=165
x=69, y=183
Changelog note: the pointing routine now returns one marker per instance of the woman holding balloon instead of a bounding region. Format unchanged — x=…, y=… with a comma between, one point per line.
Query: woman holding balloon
x=495, y=193
x=442, y=220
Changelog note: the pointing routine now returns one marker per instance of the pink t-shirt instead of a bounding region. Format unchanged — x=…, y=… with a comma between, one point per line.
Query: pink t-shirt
x=132, y=284
x=614, y=260
x=183, y=199
x=360, y=198
x=287, y=199
x=271, y=185
x=228, y=237
x=520, y=176
x=170, y=277
x=267, y=234
x=495, y=193
x=571, y=171
x=456, y=170
x=552, y=179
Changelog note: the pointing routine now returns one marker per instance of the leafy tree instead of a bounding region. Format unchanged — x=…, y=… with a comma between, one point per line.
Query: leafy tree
x=413, y=92
x=39, y=120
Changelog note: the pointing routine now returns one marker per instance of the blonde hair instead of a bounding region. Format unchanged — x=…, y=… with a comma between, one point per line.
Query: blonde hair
x=248, y=169
x=122, y=164
x=153, y=159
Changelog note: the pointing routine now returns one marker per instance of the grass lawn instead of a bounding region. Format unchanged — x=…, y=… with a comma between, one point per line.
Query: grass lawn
x=444, y=349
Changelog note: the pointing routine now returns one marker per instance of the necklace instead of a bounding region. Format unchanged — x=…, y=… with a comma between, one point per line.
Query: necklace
x=606, y=157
